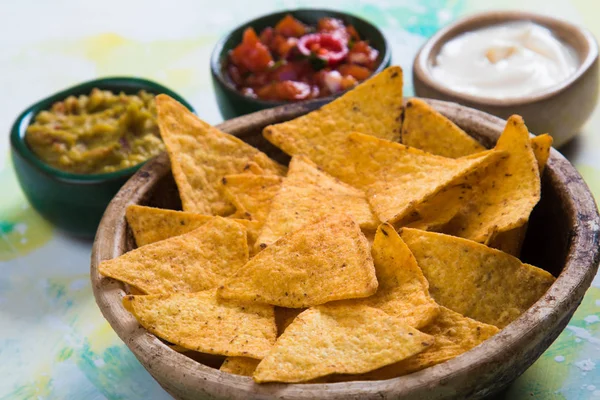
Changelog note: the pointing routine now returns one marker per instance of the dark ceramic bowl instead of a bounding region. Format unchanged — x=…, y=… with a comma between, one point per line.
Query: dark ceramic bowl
x=233, y=104
x=74, y=203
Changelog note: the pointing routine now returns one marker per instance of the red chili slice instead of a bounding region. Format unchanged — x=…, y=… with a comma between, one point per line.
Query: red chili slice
x=327, y=47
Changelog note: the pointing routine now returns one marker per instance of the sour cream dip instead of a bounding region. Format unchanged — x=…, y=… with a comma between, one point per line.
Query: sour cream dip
x=505, y=61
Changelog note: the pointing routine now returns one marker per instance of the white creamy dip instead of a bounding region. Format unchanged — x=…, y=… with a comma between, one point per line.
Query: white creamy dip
x=505, y=61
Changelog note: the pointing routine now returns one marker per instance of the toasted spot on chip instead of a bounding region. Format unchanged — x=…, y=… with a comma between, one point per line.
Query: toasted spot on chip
x=333, y=339
x=403, y=290
x=198, y=260
x=201, y=322
x=374, y=108
x=507, y=192
x=150, y=224
x=428, y=130
x=244, y=366
x=201, y=155
x=474, y=280
x=321, y=262
x=309, y=194
x=251, y=194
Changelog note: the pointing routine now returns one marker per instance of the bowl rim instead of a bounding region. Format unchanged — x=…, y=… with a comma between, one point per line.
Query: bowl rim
x=217, y=53
x=421, y=63
x=565, y=294
x=19, y=127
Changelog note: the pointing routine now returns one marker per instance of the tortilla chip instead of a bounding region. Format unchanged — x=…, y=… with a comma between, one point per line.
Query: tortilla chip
x=150, y=224
x=198, y=260
x=325, y=261
x=244, y=366
x=507, y=193
x=285, y=316
x=428, y=130
x=374, y=108
x=474, y=280
x=201, y=155
x=199, y=321
x=403, y=290
x=398, y=178
x=454, y=334
x=309, y=194
x=541, y=146
x=251, y=194
x=336, y=339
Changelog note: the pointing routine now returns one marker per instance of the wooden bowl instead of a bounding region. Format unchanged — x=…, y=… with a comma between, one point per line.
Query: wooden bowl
x=563, y=238
x=560, y=110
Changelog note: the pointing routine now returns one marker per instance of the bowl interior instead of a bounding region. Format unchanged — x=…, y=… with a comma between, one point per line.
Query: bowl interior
x=115, y=85
x=365, y=29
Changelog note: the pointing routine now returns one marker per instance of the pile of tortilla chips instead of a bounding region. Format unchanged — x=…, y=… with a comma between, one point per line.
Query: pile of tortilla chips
x=388, y=245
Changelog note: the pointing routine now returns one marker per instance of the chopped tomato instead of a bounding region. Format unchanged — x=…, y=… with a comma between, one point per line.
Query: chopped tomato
x=355, y=71
x=348, y=82
x=330, y=25
x=251, y=53
x=290, y=27
x=363, y=54
x=352, y=33
x=282, y=46
x=267, y=35
x=286, y=90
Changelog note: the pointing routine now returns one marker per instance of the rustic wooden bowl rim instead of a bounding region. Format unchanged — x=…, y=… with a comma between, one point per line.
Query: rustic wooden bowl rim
x=576, y=277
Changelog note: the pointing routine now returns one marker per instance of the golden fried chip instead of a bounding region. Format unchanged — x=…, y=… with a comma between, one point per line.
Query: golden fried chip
x=199, y=321
x=477, y=281
x=541, y=146
x=454, y=334
x=403, y=290
x=251, y=194
x=151, y=224
x=198, y=260
x=309, y=194
x=374, y=108
x=324, y=261
x=333, y=339
x=507, y=193
x=285, y=316
x=244, y=366
x=201, y=155
x=428, y=130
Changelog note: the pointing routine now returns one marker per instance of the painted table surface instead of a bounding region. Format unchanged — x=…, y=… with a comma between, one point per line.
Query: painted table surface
x=54, y=343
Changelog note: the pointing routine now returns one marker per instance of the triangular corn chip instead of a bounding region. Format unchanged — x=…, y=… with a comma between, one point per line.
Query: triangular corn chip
x=474, y=280
x=251, y=194
x=244, y=366
x=198, y=260
x=428, y=130
x=324, y=261
x=507, y=192
x=541, y=146
x=403, y=290
x=454, y=335
x=201, y=322
x=201, y=155
x=374, y=108
x=309, y=194
x=150, y=224
x=333, y=339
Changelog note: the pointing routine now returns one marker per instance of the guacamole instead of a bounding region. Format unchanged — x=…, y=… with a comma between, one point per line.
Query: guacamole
x=99, y=133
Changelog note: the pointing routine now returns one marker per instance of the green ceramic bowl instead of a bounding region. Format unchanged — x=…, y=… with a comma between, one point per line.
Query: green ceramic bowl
x=74, y=203
x=233, y=104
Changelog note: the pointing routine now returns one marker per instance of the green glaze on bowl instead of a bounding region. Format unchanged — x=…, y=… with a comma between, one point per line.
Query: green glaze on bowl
x=74, y=203
x=233, y=104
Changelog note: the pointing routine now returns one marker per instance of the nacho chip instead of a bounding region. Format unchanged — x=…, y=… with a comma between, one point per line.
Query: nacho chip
x=285, y=316
x=541, y=146
x=251, y=194
x=403, y=290
x=374, y=108
x=454, y=334
x=198, y=260
x=201, y=155
x=507, y=193
x=244, y=366
x=150, y=224
x=309, y=194
x=325, y=261
x=199, y=321
x=332, y=339
x=428, y=130
x=474, y=280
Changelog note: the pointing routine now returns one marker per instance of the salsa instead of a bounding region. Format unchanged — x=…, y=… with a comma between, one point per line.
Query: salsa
x=293, y=61
x=99, y=133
